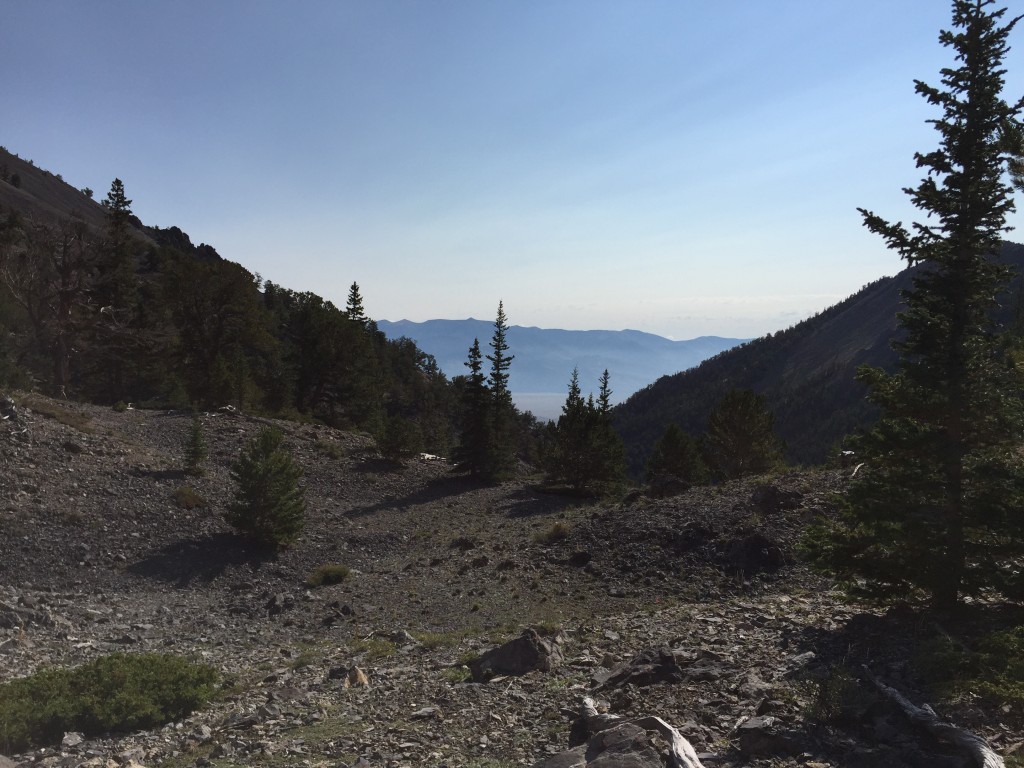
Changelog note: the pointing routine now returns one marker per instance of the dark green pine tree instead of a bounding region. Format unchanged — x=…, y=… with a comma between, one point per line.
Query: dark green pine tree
x=474, y=445
x=570, y=459
x=676, y=455
x=740, y=439
x=937, y=510
x=501, y=456
x=195, y=447
x=586, y=451
x=354, y=306
x=269, y=504
x=116, y=345
x=115, y=283
x=609, y=450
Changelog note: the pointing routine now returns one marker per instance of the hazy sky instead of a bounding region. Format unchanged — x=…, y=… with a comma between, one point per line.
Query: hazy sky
x=673, y=166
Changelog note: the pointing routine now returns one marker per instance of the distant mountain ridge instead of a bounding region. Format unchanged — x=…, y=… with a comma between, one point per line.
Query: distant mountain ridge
x=545, y=357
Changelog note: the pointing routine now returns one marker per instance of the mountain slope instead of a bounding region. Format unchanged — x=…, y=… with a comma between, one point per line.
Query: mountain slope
x=806, y=372
x=545, y=357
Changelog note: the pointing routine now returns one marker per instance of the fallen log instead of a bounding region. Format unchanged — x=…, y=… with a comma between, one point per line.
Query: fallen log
x=972, y=744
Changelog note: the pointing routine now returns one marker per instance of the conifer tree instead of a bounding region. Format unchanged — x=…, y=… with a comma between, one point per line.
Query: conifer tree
x=676, y=454
x=586, y=449
x=195, y=448
x=354, y=306
x=937, y=510
x=740, y=438
x=269, y=504
x=474, y=446
x=116, y=279
x=502, y=443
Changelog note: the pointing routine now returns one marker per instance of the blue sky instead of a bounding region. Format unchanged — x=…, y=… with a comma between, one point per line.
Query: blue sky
x=671, y=166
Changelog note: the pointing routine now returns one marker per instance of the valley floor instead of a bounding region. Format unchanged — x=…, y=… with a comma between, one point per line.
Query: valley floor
x=103, y=551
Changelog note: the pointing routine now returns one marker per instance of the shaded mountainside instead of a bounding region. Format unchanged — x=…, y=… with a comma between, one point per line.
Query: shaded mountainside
x=545, y=357
x=43, y=196
x=806, y=372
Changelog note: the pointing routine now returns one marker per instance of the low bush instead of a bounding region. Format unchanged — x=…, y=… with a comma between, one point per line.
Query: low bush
x=120, y=692
x=557, y=532
x=186, y=497
x=992, y=669
x=333, y=573
x=51, y=410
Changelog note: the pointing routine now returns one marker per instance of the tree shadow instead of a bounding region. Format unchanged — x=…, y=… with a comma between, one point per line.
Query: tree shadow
x=188, y=562
x=435, y=490
x=159, y=474
x=922, y=654
x=527, y=502
x=380, y=466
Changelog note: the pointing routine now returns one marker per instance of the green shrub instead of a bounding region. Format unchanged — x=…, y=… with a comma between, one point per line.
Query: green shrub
x=557, y=532
x=838, y=698
x=120, y=692
x=269, y=505
x=329, y=449
x=187, y=498
x=992, y=669
x=333, y=573
x=374, y=648
x=66, y=416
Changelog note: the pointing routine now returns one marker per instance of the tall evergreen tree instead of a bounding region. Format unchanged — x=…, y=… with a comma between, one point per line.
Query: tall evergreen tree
x=475, y=444
x=586, y=449
x=938, y=509
x=354, y=305
x=115, y=340
x=501, y=456
x=115, y=282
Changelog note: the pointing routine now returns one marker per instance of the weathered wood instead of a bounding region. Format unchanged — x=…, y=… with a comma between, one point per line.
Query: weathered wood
x=974, y=745
x=681, y=752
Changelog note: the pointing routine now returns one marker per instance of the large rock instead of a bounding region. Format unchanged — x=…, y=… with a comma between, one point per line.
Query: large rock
x=623, y=746
x=526, y=653
x=655, y=665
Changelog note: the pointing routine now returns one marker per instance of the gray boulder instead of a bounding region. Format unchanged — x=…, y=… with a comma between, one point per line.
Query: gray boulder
x=526, y=653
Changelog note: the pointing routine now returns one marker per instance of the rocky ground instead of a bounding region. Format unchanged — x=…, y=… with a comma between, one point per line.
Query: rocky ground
x=694, y=608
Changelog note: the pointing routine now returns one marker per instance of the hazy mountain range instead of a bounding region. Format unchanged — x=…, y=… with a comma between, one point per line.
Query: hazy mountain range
x=545, y=357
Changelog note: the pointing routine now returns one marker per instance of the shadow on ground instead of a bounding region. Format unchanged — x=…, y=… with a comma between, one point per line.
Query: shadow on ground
x=434, y=490
x=188, y=562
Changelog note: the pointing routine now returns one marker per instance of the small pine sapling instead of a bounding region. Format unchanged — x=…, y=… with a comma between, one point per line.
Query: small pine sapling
x=269, y=503
x=195, y=448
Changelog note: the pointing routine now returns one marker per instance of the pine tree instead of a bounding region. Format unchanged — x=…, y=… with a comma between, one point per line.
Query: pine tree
x=354, y=306
x=740, y=438
x=475, y=444
x=195, y=448
x=116, y=280
x=938, y=508
x=586, y=450
x=502, y=444
x=676, y=454
x=269, y=504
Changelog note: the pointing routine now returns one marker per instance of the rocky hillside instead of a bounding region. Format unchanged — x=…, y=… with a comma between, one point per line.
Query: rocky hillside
x=694, y=608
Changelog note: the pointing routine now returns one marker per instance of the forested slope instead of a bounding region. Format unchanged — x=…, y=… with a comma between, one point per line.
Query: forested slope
x=806, y=372
x=96, y=306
